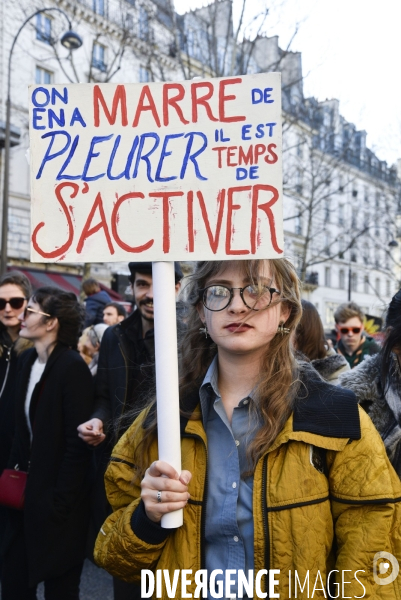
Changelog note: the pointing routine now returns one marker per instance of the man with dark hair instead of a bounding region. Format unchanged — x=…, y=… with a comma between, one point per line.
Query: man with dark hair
x=114, y=313
x=353, y=344
x=124, y=379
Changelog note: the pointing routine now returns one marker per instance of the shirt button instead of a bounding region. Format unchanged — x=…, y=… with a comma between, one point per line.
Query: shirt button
x=235, y=538
x=237, y=442
x=234, y=484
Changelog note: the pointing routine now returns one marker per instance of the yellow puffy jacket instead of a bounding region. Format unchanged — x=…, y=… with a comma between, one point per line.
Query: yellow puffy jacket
x=325, y=498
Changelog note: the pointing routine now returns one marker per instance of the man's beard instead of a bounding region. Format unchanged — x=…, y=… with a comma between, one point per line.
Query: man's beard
x=144, y=316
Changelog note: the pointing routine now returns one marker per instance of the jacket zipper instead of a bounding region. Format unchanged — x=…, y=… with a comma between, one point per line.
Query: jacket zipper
x=203, y=508
x=8, y=361
x=265, y=522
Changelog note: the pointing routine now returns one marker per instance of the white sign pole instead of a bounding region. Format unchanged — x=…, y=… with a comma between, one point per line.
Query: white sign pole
x=168, y=412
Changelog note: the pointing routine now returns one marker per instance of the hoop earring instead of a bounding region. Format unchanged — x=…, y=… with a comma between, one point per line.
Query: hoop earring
x=204, y=330
x=283, y=330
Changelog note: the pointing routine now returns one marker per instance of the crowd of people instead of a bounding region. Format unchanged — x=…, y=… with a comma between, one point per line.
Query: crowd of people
x=291, y=448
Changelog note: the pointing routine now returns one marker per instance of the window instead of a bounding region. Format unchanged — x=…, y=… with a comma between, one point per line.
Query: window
x=299, y=185
x=366, y=195
x=354, y=257
x=377, y=286
x=377, y=257
x=98, y=7
x=354, y=218
x=300, y=147
x=388, y=287
x=354, y=193
x=143, y=24
x=98, y=57
x=43, y=28
x=327, y=277
x=341, y=215
x=366, y=254
x=43, y=76
x=144, y=75
x=327, y=211
x=341, y=280
x=341, y=184
x=354, y=282
x=298, y=222
x=366, y=285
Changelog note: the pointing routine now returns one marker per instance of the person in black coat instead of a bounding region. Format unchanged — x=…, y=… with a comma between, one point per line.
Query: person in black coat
x=95, y=302
x=46, y=540
x=15, y=290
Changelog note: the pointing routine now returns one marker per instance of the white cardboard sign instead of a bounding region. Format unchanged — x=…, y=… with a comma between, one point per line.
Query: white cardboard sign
x=189, y=170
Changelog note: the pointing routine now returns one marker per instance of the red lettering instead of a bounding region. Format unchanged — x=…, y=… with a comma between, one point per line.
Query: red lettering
x=115, y=219
x=266, y=207
x=143, y=107
x=88, y=230
x=190, y=221
x=202, y=101
x=119, y=97
x=173, y=102
x=223, y=98
x=273, y=158
x=230, y=154
x=259, y=150
x=59, y=251
x=213, y=240
x=219, y=150
x=166, y=220
x=246, y=158
x=230, y=209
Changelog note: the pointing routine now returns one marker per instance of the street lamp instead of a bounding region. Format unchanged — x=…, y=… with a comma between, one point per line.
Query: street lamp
x=69, y=40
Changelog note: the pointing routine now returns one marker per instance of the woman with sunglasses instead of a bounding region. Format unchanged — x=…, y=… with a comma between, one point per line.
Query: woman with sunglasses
x=46, y=540
x=279, y=467
x=15, y=289
x=376, y=383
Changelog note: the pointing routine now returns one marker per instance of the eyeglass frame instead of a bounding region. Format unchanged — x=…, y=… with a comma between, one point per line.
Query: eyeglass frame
x=231, y=290
x=346, y=330
x=32, y=310
x=14, y=298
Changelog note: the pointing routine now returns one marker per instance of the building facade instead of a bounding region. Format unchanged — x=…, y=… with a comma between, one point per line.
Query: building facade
x=340, y=201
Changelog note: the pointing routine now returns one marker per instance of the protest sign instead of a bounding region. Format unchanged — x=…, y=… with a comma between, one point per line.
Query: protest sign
x=161, y=171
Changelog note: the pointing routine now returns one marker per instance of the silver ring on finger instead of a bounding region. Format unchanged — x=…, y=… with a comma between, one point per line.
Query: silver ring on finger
x=159, y=496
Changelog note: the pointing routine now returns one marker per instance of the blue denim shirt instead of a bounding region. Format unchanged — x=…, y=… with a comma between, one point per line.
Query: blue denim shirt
x=229, y=515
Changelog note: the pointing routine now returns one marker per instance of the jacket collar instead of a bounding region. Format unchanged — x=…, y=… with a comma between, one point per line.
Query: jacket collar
x=324, y=415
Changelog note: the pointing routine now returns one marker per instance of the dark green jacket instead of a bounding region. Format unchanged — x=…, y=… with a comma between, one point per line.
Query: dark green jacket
x=367, y=348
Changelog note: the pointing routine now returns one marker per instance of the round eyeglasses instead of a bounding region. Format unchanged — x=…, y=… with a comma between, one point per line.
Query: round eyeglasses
x=218, y=297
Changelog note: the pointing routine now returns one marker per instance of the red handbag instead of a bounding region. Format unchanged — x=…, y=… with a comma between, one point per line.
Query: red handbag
x=12, y=488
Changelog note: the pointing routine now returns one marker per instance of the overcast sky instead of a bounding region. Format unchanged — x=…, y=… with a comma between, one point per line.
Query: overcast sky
x=351, y=50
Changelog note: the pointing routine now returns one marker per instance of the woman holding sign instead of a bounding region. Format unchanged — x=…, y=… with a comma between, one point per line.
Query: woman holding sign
x=284, y=481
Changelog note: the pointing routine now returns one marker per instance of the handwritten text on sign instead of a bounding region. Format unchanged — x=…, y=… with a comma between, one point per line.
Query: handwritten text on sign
x=163, y=171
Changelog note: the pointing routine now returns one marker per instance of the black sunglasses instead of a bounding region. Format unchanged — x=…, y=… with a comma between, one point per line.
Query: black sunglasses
x=13, y=302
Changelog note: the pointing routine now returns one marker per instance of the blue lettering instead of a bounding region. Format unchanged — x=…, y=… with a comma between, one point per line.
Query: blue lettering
x=36, y=92
x=246, y=132
x=110, y=165
x=98, y=139
x=76, y=116
x=61, y=174
x=267, y=95
x=193, y=156
x=145, y=157
x=252, y=172
x=271, y=126
x=257, y=96
x=56, y=94
x=37, y=117
x=130, y=157
x=163, y=155
x=53, y=117
x=260, y=133
x=241, y=173
x=48, y=156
